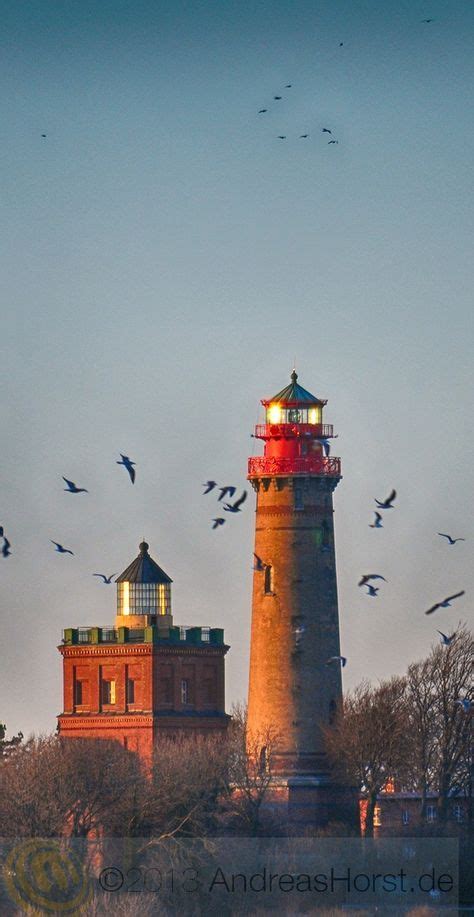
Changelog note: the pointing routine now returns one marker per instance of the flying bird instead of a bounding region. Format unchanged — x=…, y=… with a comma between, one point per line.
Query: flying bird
x=324, y=442
x=427, y=20
x=332, y=141
x=303, y=136
x=377, y=524
x=365, y=578
x=262, y=111
x=341, y=44
x=445, y=603
x=107, y=579
x=341, y=659
x=326, y=130
x=72, y=489
x=288, y=86
x=372, y=590
x=210, y=486
x=128, y=464
x=281, y=136
x=277, y=98
x=451, y=540
x=446, y=640
x=259, y=565
x=235, y=507
x=6, y=547
x=60, y=549
x=226, y=490
x=466, y=704
x=217, y=522
x=386, y=504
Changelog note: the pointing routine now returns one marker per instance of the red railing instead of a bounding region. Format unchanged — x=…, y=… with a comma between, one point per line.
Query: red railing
x=289, y=430
x=261, y=465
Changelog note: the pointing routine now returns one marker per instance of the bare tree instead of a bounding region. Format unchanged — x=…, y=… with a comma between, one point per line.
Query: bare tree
x=250, y=773
x=366, y=742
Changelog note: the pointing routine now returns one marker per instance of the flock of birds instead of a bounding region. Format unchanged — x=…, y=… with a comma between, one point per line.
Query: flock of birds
x=278, y=98
x=72, y=488
x=324, y=130
x=228, y=489
x=372, y=591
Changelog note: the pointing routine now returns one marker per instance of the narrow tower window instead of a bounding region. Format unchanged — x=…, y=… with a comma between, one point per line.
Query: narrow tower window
x=268, y=580
x=130, y=691
x=108, y=692
x=298, y=497
x=184, y=691
x=78, y=693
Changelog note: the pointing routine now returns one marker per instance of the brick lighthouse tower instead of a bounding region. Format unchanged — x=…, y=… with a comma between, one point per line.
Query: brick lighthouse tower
x=295, y=627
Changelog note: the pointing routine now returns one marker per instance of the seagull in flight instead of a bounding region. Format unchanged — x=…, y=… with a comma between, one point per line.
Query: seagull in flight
x=277, y=98
x=217, y=522
x=259, y=565
x=72, y=489
x=288, y=86
x=324, y=443
x=128, y=464
x=332, y=141
x=386, y=504
x=365, y=578
x=341, y=659
x=235, y=507
x=427, y=20
x=226, y=490
x=106, y=579
x=451, y=540
x=466, y=704
x=326, y=130
x=303, y=136
x=372, y=590
x=377, y=524
x=60, y=549
x=445, y=640
x=209, y=485
x=445, y=603
x=6, y=547
x=281, y=137
x=262, y=111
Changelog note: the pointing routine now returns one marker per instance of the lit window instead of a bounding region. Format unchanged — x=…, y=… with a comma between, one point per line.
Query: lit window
x=274, y=413
x=431, y=813
x=184, y=691
x=108, y=692
x=268, y=580
x=377, y=817
x=130, y=691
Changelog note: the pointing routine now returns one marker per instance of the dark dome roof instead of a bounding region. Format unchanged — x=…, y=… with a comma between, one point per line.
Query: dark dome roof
x=294, y=394
x=143, y=570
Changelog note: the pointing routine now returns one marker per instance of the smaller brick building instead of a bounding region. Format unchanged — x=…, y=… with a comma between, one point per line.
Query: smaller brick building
x=143, y=677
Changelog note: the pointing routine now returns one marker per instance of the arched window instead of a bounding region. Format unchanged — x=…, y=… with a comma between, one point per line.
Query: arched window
x=268, y=580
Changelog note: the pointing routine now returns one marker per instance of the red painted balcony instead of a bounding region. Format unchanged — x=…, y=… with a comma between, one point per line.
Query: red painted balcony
x=290, y=430
x=268, y=466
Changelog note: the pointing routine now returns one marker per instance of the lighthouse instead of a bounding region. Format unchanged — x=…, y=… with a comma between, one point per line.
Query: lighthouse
x=294, y=690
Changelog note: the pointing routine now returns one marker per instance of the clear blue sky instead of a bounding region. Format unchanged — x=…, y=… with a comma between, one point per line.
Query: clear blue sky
x=165, y=258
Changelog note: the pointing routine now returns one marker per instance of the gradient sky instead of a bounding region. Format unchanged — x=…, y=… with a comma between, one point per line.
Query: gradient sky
x=165, y=259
